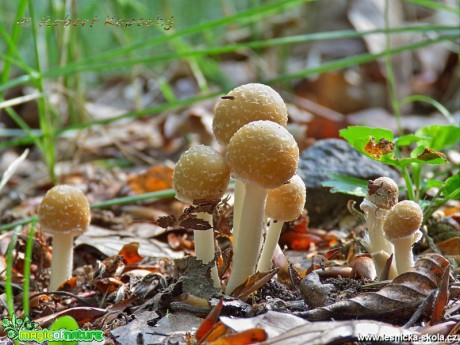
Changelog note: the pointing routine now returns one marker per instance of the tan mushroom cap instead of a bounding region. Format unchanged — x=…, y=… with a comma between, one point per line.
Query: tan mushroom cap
x=64, y=209
x=286, y=202
x=244, y=104
x=404, y=219
x=263, y=152
x=200, y=173
x=383, y=192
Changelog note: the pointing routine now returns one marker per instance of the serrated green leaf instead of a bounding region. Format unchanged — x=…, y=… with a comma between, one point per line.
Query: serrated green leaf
x=346, y=185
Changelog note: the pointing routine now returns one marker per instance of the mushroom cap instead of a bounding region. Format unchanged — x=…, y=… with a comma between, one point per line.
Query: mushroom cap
x=286, y=202
x=244, y=104
x=263, y=152
x=404, y=219
x=383, y=192
x=64, y=209
x=200, y=173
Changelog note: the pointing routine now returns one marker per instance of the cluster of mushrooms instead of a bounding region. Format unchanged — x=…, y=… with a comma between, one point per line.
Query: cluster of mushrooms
x=262, y=156
x=393, y=227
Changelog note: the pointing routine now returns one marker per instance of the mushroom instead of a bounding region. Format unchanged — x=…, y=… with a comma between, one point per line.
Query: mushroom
x=244, y=104
x=263, y=155
x=284, y=204
x=401, y=228
x=64, y=212
x=202, y=173
x=381, y=197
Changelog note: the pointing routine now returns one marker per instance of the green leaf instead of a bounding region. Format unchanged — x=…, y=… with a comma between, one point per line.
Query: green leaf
x=64, y=322
x=452, y=184
x=439, y=137
x=346, y=184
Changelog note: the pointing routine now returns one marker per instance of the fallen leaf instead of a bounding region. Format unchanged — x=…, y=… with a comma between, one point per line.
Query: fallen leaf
x=218, y=330
x=130, y=254
x=209, y=322
x=154, y=179
x=253, y=283
x=81, y=314
x=250, y=336
x=397, y=300
x=442, y=297
x=337, y=332
x=383, y=147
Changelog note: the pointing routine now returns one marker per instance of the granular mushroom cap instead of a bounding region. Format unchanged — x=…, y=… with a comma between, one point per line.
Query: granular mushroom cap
x=64, y=209
x=263, y=152
x=383, y=192
x=244, y=104
x=200, y=173
x=404, y=219
x=286, y=202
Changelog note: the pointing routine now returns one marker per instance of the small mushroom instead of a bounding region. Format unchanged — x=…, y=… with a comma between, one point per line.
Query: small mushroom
x=202, y=173
x=263, y=155
x=381, y=197
x=401, y=228
x=244, y=104
x=284, y=204
x=64, y=213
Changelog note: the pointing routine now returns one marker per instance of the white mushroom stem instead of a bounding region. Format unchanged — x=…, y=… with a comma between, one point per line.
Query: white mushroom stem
x=380, y=260
x=403, y=251
x=375, y=218
x=204, y=247
x=62, y=259
x=271, y=240
x=238, y=200
x=245, y=259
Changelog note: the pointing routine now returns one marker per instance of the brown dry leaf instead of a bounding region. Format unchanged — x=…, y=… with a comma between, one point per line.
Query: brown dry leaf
x=154, y=179
x=209, y=322
x=336, y=332
x=250, y=336
x=429, y=154
x=383, y=147
x=81, y=314
x=253, y=283
x=399, y=299
x=130, y=254
x=216, y=332
x=451, y=247
x=441, y=299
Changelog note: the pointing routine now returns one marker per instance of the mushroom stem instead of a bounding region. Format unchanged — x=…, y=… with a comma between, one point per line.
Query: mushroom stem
x=204, y=247
x=380, y=260
x=375, y=217
x=245, y=259
x=403, y=252
x=62, y=259
x=237, y=208
x=271, y=240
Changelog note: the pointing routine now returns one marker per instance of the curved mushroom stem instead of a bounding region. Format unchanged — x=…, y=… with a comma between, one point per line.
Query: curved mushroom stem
x=403, y=252
x=249, y=237
x=271, y=240
x=62, y=259
x=204, y=247
x=237, y=208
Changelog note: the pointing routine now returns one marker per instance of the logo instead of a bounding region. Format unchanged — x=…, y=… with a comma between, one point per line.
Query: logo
x=26, y=330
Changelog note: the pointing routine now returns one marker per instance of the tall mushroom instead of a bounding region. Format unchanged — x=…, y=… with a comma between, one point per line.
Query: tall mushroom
x=284, y=204
x=263, y=155
x=401, y=228
x=64, y=212
x=202, y=173
x=244, y=104
x=381, y=197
